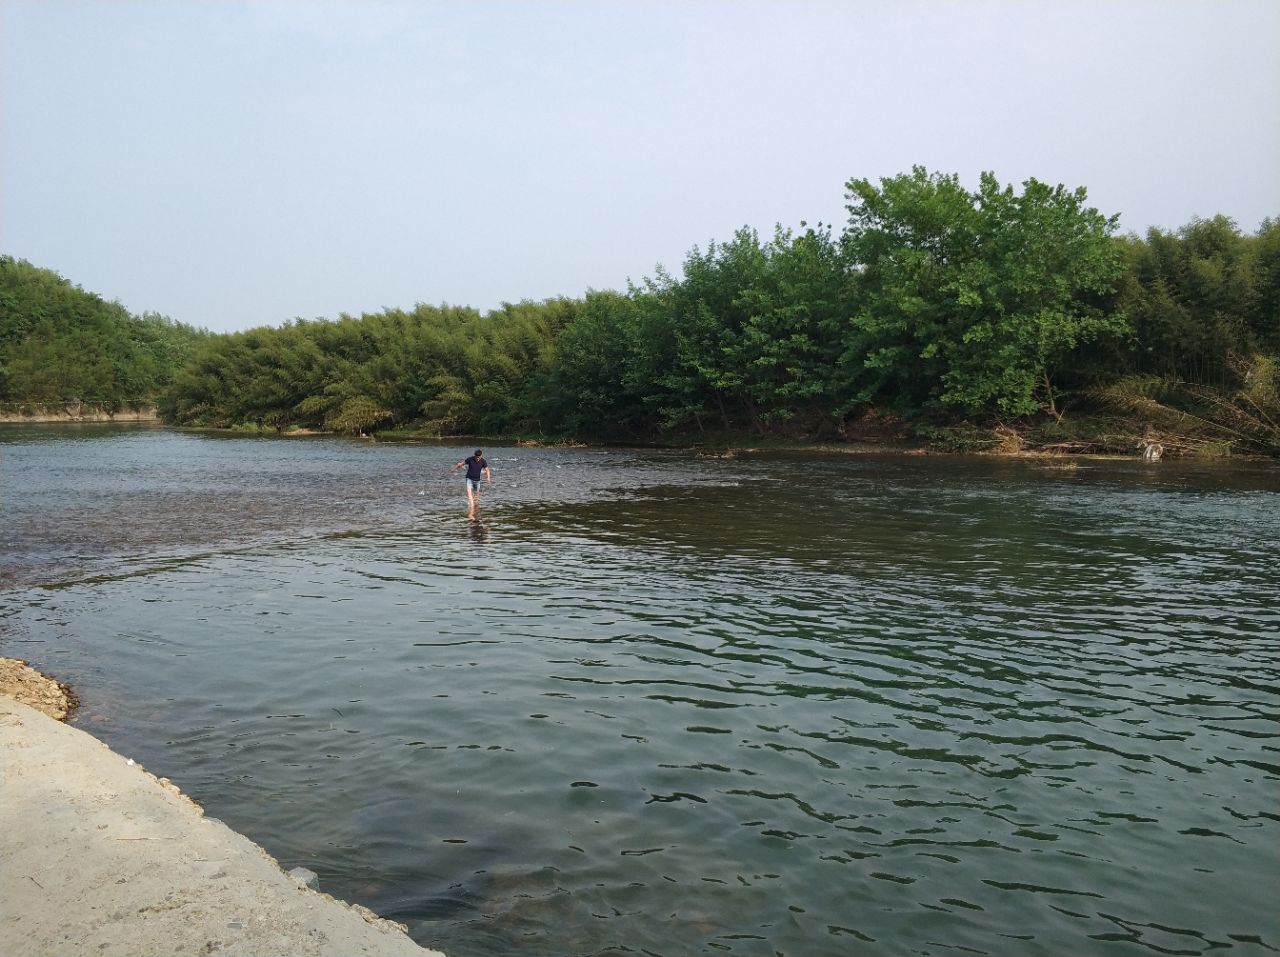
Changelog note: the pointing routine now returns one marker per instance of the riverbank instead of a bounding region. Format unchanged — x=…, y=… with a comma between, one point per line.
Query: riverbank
x=1093, y=435
x=102, y=857
x=73, y=412
x=20, y=681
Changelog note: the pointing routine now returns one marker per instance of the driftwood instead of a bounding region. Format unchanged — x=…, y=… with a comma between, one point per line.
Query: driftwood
x=1081, y=447
x=1148, y=450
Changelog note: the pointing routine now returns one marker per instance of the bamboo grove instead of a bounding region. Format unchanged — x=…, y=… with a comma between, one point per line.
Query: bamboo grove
x=59, y=343
x=932, y=304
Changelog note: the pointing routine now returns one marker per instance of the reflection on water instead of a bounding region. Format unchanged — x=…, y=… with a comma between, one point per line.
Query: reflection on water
x=646, y=703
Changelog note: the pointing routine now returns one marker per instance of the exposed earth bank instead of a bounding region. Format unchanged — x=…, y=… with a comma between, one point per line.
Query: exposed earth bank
x=23, y=683
x=73, y=412
x=101, y=857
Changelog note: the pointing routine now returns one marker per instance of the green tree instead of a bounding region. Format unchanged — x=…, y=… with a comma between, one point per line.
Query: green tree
x=59, y=342
x=447, y=369
x=795, y=311
x=1198, y=298
x=749, y=335
x=969, y=299
x=598, y=383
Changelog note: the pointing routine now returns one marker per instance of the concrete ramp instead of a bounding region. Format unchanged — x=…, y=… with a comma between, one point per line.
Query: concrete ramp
x=97, y=856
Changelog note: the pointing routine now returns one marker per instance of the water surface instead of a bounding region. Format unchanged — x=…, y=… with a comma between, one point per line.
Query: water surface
x=653, y=703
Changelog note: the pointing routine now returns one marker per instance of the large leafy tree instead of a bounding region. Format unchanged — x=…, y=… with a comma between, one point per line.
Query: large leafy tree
x=970, y=298
x=748, y=335
x=789, y=343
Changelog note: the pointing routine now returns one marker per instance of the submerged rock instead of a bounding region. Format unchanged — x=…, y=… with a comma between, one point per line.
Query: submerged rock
x=305, y=877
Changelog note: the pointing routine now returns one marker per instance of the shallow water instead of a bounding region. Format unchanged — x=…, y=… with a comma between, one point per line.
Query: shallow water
x=651, y=703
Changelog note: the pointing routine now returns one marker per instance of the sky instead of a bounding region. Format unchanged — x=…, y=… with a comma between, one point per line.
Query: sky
x=240, y=164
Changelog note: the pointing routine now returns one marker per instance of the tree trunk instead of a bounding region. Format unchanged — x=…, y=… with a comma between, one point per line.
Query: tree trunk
x=1052, y=407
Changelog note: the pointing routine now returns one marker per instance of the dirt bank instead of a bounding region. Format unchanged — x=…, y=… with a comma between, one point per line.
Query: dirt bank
x=20, y=681
x=74, y=412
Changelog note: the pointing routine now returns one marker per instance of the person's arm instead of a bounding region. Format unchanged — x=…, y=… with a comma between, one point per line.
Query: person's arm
x=458, y=466
x=488, y=473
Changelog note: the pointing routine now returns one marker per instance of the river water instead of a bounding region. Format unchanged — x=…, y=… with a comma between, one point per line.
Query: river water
x=654, y=703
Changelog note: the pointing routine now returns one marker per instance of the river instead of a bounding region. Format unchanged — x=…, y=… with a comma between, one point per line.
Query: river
x=656, y=703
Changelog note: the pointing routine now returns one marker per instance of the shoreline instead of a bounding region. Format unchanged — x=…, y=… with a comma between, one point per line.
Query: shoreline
x=1121, y=440
x=103, y=857
x=47, y=415
x=18, y=680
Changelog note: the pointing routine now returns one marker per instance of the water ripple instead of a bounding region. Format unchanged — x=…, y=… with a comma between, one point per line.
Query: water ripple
x=930, y=707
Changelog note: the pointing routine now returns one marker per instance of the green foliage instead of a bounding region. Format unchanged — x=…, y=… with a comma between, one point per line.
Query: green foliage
x=955, y=310
x=1252, y=411
x=358, y=414
x=756, y=327
x=962, y=437
x=1246, y=417
x=59, y=343
x=745, y=339
x=599, y=380
x=970, y=299
x=447, y=369
x=1199, y=296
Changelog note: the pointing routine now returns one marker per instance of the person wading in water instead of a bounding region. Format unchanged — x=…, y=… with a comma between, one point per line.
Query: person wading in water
x=476, y=467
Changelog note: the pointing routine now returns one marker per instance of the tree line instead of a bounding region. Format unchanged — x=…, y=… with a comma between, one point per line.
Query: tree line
x=441, y=369
x=932, y=304
x=59, y=343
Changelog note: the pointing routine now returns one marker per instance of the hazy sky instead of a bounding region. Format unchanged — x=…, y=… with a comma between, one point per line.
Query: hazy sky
x=241, y=164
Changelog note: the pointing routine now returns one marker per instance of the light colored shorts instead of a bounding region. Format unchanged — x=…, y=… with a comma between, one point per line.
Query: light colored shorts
x=473, y=484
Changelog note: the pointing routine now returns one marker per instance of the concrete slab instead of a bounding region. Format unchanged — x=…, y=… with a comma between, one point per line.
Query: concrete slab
x=97, y=856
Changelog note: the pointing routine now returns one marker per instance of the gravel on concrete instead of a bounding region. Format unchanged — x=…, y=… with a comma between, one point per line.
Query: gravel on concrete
x=98, y=856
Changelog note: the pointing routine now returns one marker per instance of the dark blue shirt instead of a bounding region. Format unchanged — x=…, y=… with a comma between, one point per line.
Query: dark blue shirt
x=475, y=467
